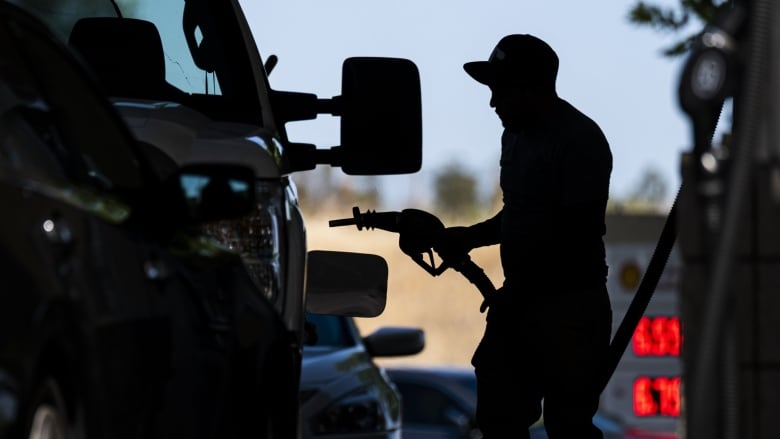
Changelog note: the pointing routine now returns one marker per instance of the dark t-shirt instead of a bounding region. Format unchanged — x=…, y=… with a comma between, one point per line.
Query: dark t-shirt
x=555, y=183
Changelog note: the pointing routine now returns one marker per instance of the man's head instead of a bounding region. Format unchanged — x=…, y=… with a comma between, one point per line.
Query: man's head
x=521, y=74
x=517, y=59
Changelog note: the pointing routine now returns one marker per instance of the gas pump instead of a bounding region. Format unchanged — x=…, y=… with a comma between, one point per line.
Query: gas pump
x=727, y=228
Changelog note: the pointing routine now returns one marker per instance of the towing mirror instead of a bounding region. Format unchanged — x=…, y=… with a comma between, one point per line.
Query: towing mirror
x=381, y=119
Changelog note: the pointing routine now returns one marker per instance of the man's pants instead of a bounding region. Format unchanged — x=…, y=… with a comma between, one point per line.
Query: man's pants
x=549, y=349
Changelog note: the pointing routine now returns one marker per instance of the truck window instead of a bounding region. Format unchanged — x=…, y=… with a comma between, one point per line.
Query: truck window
x=205, y=55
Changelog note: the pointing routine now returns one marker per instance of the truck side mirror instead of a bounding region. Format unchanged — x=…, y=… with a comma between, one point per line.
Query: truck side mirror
x=381, y=120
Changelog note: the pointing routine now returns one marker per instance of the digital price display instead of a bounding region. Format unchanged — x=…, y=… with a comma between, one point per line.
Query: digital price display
x=657, y=396
x=657, y=336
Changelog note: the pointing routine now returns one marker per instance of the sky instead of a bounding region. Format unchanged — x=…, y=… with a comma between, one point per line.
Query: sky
x=610, y=69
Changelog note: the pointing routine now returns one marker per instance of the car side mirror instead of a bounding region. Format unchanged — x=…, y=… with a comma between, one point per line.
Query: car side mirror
x=345, y=283
x=395, y=341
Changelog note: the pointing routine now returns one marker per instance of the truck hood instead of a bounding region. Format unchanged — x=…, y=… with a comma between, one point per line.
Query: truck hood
x=189, y=137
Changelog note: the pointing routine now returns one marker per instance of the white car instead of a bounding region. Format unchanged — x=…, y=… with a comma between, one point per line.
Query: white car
x=343, y=392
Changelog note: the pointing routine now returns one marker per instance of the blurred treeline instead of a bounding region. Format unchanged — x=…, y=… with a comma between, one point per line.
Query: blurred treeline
x=455, y=194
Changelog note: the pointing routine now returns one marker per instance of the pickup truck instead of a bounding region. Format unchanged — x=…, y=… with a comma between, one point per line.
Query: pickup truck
x=188, y=79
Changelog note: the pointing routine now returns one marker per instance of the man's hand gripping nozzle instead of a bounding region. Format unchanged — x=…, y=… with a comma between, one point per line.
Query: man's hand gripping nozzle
x=417, y=233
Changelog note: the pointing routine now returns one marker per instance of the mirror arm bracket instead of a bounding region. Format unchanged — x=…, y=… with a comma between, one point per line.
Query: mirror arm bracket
x=333, y=106
x=304, y=156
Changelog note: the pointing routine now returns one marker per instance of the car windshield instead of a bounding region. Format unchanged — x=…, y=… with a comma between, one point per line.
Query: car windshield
x=332, y=331
x=205, y=51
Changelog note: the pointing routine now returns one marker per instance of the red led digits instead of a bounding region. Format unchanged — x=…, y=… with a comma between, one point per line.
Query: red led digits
x=644, y=402
x=657, y=396
x=669, y=392
x=675, y=346
x=657, y=336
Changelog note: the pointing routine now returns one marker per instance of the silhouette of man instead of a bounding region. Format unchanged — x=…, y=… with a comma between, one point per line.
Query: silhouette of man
x=548, y=327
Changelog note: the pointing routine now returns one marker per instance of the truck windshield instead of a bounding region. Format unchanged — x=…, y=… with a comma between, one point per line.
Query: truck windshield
x=205, y=54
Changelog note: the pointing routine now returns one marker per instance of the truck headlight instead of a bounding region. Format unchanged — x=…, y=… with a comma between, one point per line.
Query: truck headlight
x=256, y=237
x=361, y=411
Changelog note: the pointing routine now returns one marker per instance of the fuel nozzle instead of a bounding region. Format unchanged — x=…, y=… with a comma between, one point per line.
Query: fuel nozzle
x=370, y=219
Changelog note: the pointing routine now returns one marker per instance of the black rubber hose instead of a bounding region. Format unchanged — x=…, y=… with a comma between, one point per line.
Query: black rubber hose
x=644, y=293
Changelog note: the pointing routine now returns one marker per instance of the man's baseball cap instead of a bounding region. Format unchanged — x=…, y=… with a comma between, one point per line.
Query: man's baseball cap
x=516, y=58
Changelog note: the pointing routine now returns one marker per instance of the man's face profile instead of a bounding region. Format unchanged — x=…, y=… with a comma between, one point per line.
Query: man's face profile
x=513, y=104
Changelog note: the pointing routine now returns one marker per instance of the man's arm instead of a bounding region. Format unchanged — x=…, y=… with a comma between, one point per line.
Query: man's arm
x=461, y=239
x=486, y=233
